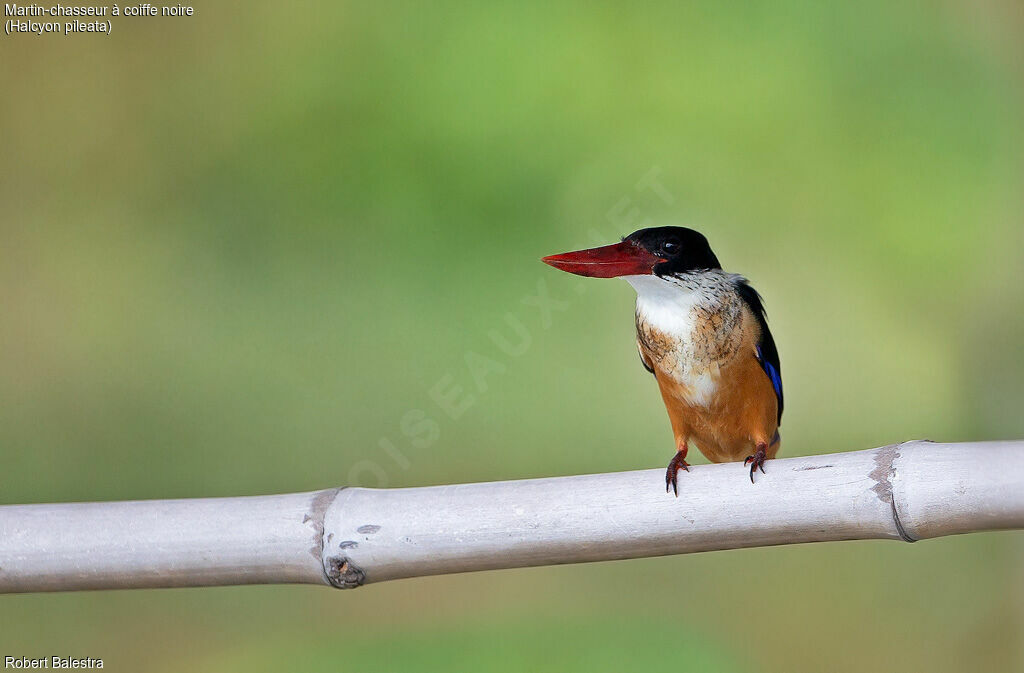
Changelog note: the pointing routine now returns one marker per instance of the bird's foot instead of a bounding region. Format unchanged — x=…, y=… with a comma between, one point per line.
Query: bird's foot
x=756, y=461
x=677, y=463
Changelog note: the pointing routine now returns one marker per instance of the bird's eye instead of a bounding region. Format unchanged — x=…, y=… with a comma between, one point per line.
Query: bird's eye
x=669, y=247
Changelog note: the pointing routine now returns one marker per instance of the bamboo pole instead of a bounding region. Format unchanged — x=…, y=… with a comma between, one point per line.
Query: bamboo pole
x=351, y=536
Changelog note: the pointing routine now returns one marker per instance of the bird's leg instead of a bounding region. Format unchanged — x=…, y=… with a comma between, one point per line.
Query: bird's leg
x=677, y=463
x=757, y=459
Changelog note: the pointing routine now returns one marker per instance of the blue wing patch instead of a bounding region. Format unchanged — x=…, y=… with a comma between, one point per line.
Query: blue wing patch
x=773, y=374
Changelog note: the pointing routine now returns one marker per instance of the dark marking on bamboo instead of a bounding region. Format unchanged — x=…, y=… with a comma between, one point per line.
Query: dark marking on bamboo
x=315, y=517
x=885, y=460
x=344, y=574
x=348, y=544
x=882, y=474
x=368, y=529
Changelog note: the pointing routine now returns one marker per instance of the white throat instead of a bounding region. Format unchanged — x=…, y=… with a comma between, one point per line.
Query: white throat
x=668, y=302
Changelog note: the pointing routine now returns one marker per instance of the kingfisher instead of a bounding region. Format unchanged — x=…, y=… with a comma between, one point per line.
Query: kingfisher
x=703, y=333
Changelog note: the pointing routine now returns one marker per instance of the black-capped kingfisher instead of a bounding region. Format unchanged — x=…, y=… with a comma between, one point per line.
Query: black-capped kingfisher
x=702, y=332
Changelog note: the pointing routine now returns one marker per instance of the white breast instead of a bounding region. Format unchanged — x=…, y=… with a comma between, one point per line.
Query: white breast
x=675, y=307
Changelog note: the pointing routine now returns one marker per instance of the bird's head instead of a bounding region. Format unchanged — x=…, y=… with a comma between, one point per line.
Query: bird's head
x=659, y=251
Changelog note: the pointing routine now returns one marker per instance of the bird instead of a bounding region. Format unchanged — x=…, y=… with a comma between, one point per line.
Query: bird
x=703, y=333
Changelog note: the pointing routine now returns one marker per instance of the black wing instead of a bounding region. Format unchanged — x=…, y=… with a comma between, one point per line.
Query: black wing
x=643, y=360
x=767, y=353
x=640, y=343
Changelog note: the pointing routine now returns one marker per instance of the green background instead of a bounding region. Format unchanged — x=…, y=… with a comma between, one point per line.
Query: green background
x=238, y=249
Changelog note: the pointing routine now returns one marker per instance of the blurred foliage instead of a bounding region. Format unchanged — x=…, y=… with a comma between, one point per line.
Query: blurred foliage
x=240, y=250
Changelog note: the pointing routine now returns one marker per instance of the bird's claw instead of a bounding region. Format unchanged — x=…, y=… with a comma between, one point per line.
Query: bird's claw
x=677, y=463
x=756, y=462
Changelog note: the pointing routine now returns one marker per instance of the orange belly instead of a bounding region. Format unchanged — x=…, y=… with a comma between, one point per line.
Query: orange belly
x=741, y=413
